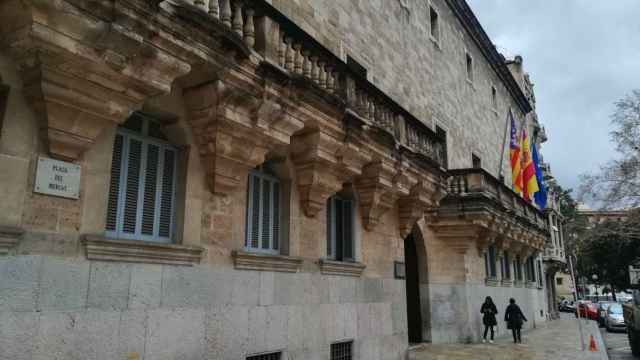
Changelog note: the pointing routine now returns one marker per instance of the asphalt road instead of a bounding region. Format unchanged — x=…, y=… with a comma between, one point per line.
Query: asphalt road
x=617, y=345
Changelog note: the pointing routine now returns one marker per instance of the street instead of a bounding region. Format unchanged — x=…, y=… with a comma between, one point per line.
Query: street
x=617, y=345
x=552, y=340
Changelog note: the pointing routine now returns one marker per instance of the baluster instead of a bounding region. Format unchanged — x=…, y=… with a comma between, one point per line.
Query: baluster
x=306, y=66
x=322, y=75
x=297, y=58
x=315, y=75
x=249, y=29
x=237, y=18
x=282, y=50
x=198, y=2
x=214, y=9
x=226, y=12
x=289, y=54
x=329, y=79
x=367, y=101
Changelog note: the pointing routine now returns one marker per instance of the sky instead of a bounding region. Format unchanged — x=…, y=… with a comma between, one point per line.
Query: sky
x=582, y=56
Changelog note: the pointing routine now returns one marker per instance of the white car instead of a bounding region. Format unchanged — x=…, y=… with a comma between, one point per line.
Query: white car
x=614, y=319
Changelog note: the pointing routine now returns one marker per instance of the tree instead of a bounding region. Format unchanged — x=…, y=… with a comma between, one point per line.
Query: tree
x=606, y=252
x=617, y=184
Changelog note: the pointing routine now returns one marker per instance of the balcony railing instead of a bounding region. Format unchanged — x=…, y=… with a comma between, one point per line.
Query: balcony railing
x=281, y=43
x=480, y=184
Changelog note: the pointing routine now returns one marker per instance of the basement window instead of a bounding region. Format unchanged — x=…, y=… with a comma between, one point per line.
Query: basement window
x=269, y=356
x=342, y=351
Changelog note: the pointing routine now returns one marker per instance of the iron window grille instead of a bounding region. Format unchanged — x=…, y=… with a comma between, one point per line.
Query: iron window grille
x=342, y=350
x=340, y=229
x=263, y=211
x=269, y=356
x=141, y=202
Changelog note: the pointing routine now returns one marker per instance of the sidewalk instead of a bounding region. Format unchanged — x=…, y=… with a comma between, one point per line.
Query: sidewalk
x=553, y=340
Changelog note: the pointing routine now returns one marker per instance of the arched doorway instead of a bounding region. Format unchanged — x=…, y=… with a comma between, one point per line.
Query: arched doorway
x=417, y=290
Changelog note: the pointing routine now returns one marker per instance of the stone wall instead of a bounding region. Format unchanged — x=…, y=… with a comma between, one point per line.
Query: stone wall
x=56, y=304
x=57, y=308
x=392, y=40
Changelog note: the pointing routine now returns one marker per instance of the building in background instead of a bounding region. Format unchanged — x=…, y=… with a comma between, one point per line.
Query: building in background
x=256, y=180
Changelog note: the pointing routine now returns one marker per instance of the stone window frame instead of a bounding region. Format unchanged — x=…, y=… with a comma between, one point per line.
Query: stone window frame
x=469, y=67
x=331, y=265
x=99, y=247
x=280, y=261
x=163, y=145
x=490, y=265
x=437, y=27
x=494, y=99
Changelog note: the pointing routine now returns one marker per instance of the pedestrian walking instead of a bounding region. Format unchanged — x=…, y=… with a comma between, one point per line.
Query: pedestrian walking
x=514, y=318
x=488, y=311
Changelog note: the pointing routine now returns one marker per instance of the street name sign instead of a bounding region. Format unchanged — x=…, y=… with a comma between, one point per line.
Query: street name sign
x=57, y=178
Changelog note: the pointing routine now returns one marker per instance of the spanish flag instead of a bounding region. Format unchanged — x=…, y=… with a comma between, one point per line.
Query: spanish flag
x=530, y=182
x=514, y=154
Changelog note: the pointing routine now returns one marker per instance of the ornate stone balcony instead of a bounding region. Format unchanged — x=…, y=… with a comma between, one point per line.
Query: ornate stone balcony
x=480, y=210
x=290, y=92
x=553, y=254
x=254, y=84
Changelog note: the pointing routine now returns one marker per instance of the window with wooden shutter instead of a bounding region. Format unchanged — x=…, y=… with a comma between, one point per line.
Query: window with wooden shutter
x=340, y=229
x=263, y=211
x=142, y=187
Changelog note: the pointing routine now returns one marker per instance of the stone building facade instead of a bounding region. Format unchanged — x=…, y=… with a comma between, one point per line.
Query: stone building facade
x=255, y=179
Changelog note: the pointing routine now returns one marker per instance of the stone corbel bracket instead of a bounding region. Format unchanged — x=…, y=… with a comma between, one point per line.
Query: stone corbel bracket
x=9, y=238
x=323, y=164
x=83, y=73
x=425, y=194
x=235, y=126
x=379, y=186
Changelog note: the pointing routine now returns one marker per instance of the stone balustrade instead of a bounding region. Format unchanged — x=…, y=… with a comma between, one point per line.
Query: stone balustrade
x=479, y=208
x=280, y=42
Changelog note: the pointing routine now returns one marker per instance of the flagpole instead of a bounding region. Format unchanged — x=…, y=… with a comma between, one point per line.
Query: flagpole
x=504, y=143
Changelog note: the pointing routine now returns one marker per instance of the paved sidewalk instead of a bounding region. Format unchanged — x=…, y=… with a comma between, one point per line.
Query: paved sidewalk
x=554, y=340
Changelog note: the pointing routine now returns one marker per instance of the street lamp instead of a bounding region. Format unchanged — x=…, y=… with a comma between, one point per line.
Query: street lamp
x=595, y=282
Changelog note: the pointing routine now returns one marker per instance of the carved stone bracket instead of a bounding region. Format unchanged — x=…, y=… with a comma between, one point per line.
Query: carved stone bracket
x=423, y=195
x=83, y=78
x=235, y=128
x=323, y=164
x=379, y=186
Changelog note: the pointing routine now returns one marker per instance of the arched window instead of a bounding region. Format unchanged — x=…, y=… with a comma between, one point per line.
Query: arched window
x=263, y=211
x=340, y=228
x=143, y=180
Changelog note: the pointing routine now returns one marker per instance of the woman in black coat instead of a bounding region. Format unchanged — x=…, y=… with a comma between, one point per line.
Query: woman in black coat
x=488, y=311
x=514, y=318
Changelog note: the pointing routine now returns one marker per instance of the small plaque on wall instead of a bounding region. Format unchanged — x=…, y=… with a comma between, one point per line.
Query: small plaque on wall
x=399, y=270
x=57, y=178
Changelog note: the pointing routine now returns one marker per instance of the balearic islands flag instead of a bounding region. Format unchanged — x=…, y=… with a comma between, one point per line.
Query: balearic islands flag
x=529, y=180
x=514, y=154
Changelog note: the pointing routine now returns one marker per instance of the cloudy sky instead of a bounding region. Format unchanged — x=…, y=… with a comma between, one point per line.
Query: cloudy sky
x=582, y=55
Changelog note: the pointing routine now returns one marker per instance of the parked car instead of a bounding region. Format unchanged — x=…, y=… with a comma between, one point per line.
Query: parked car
x=614, y=319
x=567, y=306
x=602, y=311
x=587, y=309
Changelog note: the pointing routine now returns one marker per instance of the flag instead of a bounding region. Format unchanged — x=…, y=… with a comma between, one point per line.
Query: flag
x=529, y=181
x=541, y=196
x=514, y=154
